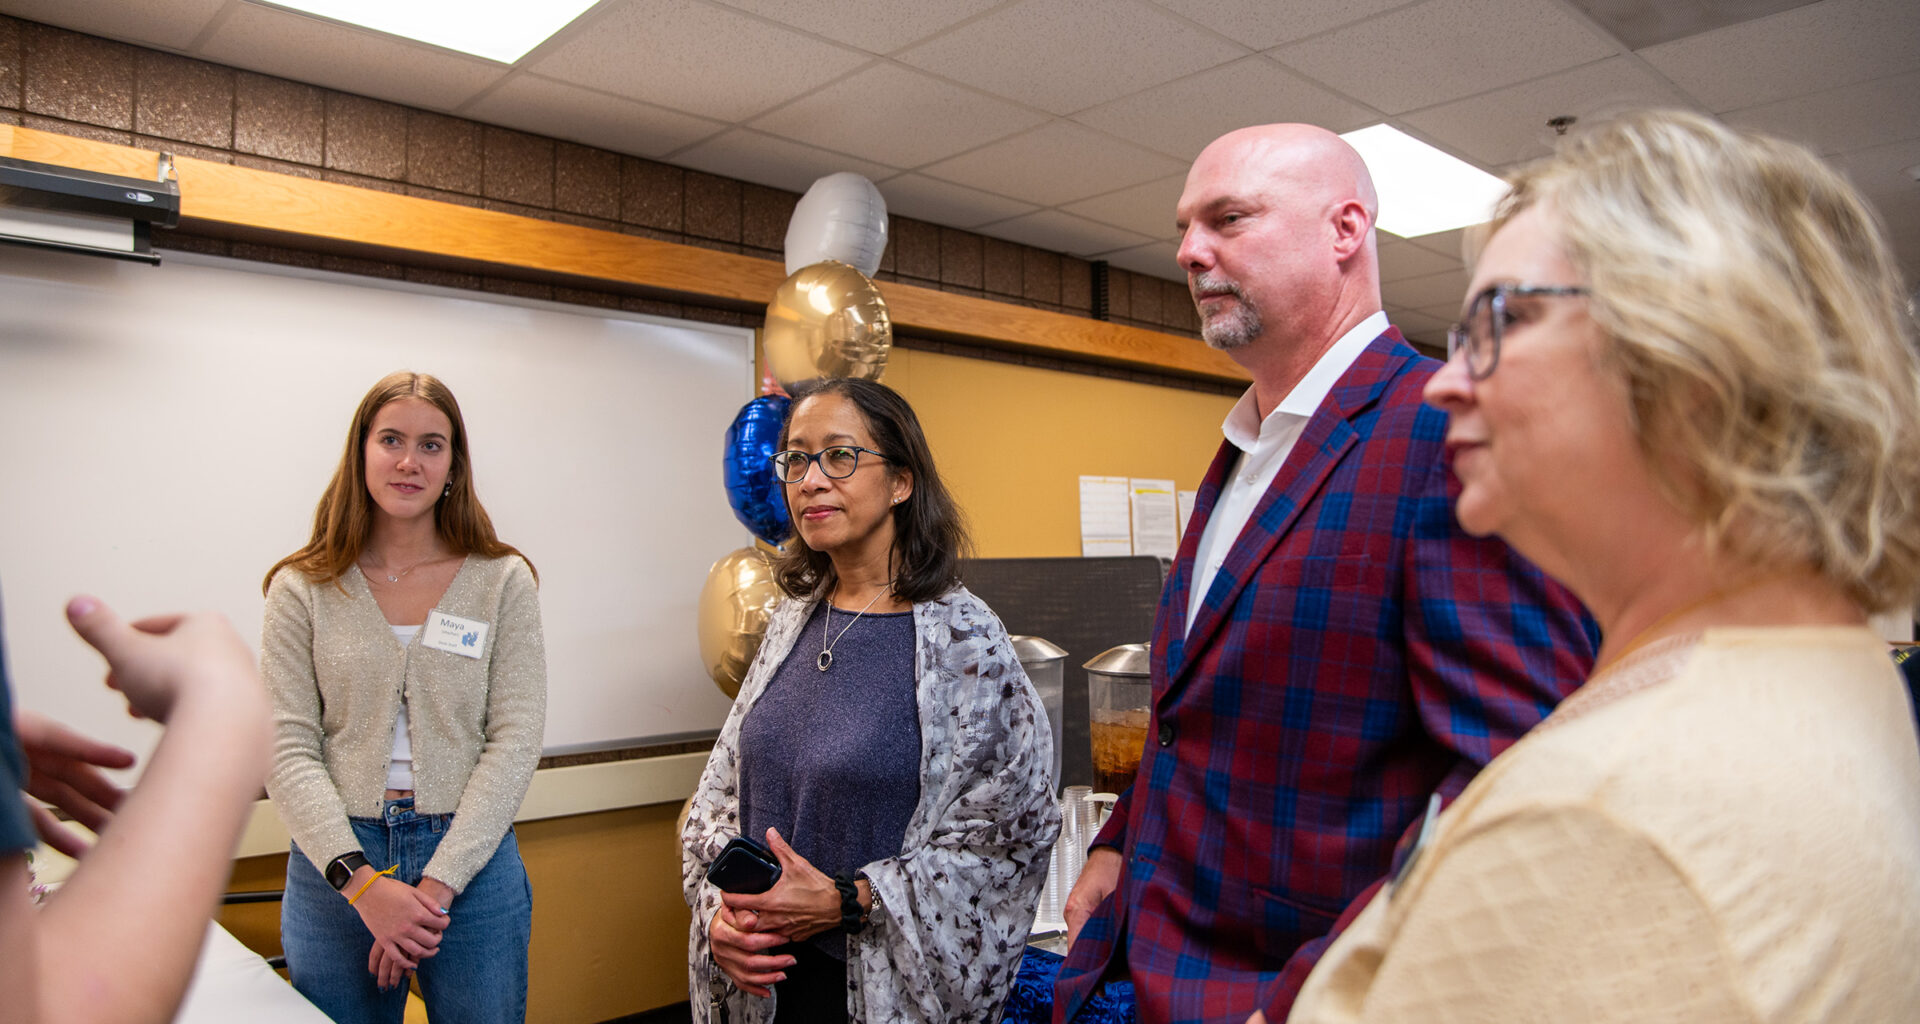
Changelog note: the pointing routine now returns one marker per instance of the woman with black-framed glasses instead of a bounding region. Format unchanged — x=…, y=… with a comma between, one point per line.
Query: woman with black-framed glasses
x=1685, y=385
x=886, y=747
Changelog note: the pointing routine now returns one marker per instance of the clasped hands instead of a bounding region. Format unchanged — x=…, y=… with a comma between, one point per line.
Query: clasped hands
x=406, y=921
x=802, y=904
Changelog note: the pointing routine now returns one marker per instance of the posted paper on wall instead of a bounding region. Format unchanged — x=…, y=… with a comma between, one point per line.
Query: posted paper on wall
x=1105, y=526
x=1156, y=528
x=1185, y=500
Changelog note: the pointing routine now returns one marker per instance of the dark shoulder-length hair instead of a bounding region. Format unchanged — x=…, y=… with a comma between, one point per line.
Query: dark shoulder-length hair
x=929, y=533
x=344, y=517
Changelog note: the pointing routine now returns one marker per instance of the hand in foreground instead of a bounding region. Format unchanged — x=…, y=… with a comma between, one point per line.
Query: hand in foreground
x=1257, y=1018
x=155, y=661
x=405, y=922
x=1098, y=879
x=803, y=903
x=741, y=952
x=64, y=770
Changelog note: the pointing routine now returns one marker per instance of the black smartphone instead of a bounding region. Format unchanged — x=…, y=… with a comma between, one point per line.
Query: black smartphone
x=744, y=866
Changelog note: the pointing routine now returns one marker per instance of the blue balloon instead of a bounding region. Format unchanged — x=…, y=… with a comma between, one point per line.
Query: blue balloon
x=756, y=497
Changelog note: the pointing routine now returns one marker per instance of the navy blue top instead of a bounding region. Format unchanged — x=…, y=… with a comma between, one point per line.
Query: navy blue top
x=832, y=759
x=16, y=830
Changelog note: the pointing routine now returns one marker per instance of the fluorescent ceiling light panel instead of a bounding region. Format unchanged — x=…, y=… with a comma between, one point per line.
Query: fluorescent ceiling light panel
x=502, y=30
x=1423, y=190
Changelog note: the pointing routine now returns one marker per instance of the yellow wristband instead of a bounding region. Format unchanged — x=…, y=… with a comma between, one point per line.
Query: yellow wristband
x=369, y=885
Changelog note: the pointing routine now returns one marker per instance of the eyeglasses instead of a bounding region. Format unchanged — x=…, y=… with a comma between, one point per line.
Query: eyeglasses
x=1479, y=334
x=837, y=463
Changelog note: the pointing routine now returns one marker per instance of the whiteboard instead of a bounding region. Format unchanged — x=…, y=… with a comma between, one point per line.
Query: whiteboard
x=165, y=433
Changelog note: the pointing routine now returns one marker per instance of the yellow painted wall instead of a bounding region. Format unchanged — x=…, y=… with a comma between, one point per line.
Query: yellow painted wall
x=1013, y=441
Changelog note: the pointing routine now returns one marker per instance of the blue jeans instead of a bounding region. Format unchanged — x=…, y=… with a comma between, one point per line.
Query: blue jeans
x=479, y=975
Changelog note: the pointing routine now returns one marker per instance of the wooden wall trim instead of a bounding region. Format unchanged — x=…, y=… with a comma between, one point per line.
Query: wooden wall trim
x=260, y=205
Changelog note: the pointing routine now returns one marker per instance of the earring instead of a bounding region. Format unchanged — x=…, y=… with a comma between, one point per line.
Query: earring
x=446, y=491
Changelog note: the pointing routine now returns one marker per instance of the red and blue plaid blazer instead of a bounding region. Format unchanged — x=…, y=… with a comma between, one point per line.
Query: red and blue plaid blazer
x=1355, y=653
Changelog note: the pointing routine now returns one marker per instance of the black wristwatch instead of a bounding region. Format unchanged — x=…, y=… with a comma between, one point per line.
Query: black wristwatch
x=340, y=870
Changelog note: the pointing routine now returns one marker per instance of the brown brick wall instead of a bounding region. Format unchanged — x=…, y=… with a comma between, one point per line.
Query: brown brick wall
x=55, y=80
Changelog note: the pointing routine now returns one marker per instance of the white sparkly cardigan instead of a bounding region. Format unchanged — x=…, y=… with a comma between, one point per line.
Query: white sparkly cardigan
x=954, y=907
x=336, y=674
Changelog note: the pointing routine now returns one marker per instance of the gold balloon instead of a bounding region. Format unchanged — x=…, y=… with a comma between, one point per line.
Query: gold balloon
x=734, y=605
x=827, y=320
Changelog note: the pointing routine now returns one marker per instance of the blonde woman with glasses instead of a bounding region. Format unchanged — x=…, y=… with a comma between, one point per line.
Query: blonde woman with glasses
x=1686, y=386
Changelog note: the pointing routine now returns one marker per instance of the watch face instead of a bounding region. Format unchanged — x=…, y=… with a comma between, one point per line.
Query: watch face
x=340, y=872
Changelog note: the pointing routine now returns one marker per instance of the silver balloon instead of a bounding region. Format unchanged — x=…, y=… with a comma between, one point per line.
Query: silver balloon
x=842, y=217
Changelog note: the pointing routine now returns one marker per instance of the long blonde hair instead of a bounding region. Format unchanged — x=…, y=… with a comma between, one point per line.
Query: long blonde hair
x=1758, y=321
x=344, y=517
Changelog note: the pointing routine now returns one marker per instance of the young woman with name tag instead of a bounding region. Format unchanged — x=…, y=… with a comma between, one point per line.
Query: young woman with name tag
x=403, y=649
x=887, y=748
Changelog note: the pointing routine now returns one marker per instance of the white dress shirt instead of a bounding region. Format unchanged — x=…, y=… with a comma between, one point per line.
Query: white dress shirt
x=1264, y=445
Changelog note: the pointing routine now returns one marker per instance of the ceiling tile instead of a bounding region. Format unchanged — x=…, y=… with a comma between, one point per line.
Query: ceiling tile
x=1446, y=243
x=1147, y=209
x=167, y=24
x=1063, y=232
x=1400, y=260
x=1056, y=163
x=766, y=160
x=1444, y=290
x=536, y=104
x=695, y=57
x=878, y=26
x=1067, y=55
x=1506, y=125
x=941, y=202
x=1638, y=23
x=1181, y=117
x=352, y=60
x=1444, y=49
x=1262, y=24
x=1850, y=117
x=897, y=116
x=1794, y=53
x=1881, y=171
x=1155, y=259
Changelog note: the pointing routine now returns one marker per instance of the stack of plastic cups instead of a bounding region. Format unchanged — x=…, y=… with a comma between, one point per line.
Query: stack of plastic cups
x=1075, y=815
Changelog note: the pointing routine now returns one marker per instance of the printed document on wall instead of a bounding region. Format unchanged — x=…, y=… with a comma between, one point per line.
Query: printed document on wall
x=1185, y=500
x=1105, y=527
x=1156, y=529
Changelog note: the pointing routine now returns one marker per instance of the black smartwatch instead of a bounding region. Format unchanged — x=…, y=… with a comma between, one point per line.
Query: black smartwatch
x=340, y=870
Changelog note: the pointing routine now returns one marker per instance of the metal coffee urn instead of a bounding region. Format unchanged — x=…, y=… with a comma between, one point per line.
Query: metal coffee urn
x=1045, y=663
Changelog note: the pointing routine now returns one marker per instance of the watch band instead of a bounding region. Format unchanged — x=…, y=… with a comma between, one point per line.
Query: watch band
x=340, y=870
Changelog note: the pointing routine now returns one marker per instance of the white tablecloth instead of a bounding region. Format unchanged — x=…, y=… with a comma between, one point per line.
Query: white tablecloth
x=233, y=984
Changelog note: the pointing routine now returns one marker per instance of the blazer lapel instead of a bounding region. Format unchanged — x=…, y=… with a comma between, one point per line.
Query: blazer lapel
x=1328, y=436
x=1170, y=633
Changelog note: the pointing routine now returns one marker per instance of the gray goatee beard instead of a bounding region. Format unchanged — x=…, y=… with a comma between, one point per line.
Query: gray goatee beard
x=1232, y=329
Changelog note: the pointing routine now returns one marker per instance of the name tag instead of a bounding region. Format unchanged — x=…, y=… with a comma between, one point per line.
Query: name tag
x=454, y=635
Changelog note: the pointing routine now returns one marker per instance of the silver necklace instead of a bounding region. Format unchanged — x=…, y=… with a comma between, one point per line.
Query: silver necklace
x=825, y=661
x=391, y=578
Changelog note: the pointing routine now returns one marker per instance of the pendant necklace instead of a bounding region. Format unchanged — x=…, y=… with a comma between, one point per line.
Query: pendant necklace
x=825, y=661
x=392, y=578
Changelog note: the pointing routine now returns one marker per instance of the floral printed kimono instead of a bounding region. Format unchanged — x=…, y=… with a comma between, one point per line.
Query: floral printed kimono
x=953, y=908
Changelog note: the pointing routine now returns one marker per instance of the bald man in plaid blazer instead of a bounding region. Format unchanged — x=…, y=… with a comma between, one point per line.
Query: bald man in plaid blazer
x=1330, y=649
